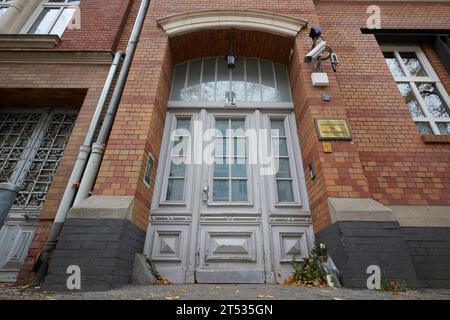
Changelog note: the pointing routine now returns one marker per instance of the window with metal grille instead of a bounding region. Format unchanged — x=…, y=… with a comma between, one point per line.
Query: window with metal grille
x=32, y=143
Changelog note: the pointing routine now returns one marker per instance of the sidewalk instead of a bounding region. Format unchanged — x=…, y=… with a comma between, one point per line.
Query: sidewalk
x=225, y=292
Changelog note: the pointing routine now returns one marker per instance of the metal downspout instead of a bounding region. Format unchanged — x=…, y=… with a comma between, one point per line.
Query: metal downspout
x=80, y=164
x=41, y=264
x=98, y=149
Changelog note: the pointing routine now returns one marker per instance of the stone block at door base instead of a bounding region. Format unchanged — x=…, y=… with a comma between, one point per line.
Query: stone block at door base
x=237, y=276
x=104, y=249
x=141, y=271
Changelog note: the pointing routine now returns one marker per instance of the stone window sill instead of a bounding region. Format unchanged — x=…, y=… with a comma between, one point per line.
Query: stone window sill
x=436, y=138
x=29, y=41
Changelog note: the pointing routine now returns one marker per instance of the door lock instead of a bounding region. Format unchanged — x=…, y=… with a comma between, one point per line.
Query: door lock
x=205, y=196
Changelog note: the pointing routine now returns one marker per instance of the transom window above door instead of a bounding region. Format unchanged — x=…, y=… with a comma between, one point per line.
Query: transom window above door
x=209, y=80
x=423, y=92
x=52, y=17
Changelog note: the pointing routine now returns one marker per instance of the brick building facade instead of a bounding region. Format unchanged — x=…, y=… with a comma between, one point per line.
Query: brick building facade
x=381, y=198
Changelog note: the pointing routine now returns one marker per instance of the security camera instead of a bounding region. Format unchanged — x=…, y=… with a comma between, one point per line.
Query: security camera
x=315, y=52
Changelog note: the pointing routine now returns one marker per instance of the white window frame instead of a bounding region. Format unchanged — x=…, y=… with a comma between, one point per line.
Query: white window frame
x=217, y=103
x=193, y=191
x=294, y=162
x=46, y=4
x=149, y=167
x=411, y=81
x=168, y=162
x=246, y=117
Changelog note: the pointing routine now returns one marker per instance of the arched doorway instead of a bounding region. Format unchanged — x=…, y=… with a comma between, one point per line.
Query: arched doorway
x=230, y=203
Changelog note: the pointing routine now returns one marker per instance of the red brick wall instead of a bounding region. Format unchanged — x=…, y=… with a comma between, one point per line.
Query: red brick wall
x=54, y=76
x=140, y=120
x=400, y=167
x=102, y=22
x=387, y=160
x=362, y=91
x=338, y=174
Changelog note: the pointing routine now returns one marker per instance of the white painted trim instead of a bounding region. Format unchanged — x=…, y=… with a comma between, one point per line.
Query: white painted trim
x=240, y=105
x=37, y=56
x=242, y=19
x=250, y=181
x=28, y=41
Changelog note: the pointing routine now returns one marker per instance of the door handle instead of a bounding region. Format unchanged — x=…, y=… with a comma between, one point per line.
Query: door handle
x=205, y=195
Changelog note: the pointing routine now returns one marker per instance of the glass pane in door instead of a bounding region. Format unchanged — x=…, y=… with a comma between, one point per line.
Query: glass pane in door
x=179, y=153
x=283, y=178
x=230, y=165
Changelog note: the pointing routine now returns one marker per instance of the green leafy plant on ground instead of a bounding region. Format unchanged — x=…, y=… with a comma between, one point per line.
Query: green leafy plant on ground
x=158, y=278
x=393, y=285
x=309, y=271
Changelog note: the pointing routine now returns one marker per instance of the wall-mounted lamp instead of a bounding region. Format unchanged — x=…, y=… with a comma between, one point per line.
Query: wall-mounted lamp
x=231, y=57
x=315, y=33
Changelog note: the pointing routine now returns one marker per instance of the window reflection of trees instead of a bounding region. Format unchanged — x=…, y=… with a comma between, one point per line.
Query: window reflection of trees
x=208, y=79
x=433, y=100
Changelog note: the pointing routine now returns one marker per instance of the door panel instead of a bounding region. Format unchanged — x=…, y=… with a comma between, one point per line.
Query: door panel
x=230, y=254
x=230, y=238
x=170, y=250
x=15, y=239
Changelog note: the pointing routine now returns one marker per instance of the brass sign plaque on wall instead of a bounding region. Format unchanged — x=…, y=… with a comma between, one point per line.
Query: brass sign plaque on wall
x=333, y=129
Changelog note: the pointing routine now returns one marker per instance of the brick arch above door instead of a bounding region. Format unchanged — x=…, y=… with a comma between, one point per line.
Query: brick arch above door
x=193, y=21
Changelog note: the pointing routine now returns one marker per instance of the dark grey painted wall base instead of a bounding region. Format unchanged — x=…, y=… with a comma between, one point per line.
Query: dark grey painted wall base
x=429, y=248
x=104, y=250
x=420, y=256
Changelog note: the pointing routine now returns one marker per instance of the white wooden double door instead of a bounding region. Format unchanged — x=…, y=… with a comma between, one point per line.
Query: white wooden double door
x=220, y=214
